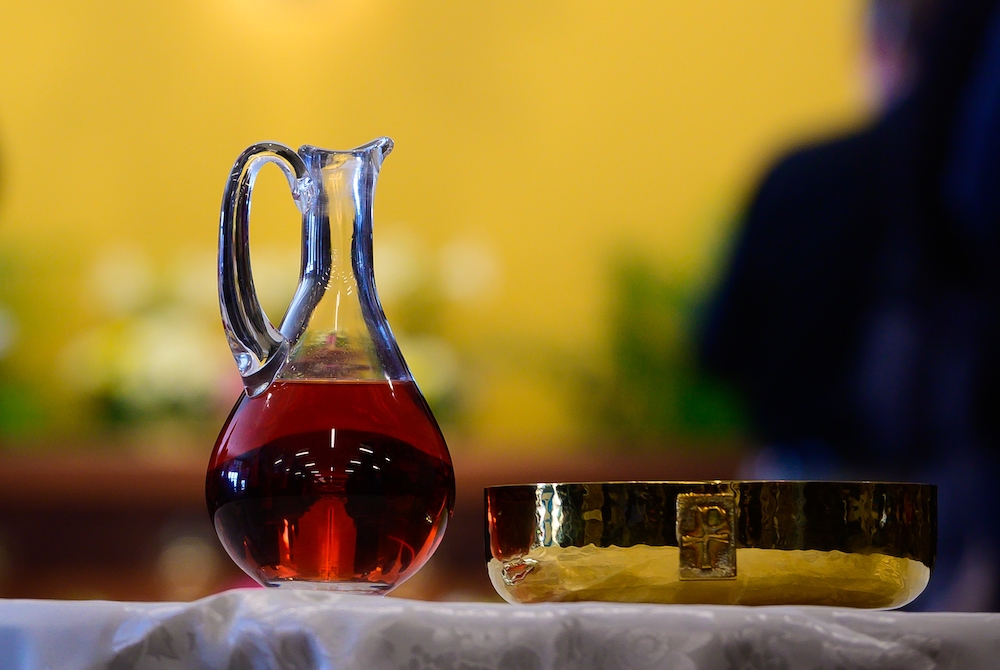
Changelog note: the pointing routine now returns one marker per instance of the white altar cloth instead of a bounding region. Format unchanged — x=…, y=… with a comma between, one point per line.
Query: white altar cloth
x=257, y=628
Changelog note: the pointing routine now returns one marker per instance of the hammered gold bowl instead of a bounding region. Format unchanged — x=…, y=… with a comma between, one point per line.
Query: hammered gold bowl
x=848, y=544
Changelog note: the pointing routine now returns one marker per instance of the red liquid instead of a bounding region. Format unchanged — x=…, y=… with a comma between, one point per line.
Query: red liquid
x=344, y=485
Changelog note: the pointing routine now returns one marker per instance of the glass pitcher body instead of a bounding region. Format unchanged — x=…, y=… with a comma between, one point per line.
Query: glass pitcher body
x=331, y=471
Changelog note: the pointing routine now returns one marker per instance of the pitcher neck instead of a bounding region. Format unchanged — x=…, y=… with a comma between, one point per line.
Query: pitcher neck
x=336, y=326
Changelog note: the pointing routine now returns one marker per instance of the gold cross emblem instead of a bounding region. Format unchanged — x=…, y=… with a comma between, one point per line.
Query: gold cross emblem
x=705, y=536
x=711, y=524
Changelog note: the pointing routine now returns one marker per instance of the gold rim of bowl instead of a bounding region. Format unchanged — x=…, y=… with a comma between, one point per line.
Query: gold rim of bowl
x=729, y=541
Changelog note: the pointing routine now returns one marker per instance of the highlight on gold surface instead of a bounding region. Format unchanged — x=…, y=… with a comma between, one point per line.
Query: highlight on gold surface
x=849, y=544
x=767, y=577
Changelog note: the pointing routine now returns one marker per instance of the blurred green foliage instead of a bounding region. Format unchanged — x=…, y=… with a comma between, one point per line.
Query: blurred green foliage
x=21, y=409
x=21, y=412
x=653, y=387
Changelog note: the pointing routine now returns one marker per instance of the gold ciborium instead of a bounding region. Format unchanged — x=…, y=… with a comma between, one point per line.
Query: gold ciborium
x=849, y=544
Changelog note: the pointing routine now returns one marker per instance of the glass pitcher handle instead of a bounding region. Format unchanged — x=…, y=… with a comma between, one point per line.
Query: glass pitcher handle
x=259, y=348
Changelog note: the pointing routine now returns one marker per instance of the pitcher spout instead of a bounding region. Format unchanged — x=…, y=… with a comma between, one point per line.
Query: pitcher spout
x=372, y=153
x=384, y=146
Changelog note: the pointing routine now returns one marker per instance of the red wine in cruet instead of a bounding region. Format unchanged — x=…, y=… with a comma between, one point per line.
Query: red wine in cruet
x=340, y=485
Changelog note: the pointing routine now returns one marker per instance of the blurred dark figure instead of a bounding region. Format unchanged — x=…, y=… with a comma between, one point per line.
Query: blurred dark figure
x=861, y=314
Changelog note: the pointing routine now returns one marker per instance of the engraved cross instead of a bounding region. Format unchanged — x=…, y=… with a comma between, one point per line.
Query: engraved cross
x=711, y=524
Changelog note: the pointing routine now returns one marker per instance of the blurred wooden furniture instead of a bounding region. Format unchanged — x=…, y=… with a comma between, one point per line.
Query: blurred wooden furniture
x=133, y=527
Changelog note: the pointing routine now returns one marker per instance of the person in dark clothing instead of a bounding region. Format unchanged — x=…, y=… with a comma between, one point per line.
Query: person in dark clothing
x=860, y=316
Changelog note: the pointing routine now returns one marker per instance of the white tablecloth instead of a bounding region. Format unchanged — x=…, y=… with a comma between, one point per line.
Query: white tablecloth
x=294, y=629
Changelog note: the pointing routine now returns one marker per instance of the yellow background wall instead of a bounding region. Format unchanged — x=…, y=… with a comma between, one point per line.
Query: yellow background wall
x=549, y=134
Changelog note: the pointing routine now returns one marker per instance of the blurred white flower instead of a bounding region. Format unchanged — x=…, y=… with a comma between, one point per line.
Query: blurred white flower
x=167, y=356
x=469, y=270
x=8, y=331
x=195, y=280
x=275, y=276
x=400, y=260
x=87, y=361
x=121, y=278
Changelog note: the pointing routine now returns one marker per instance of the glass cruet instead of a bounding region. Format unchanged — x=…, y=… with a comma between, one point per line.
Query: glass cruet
x=331, y=471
